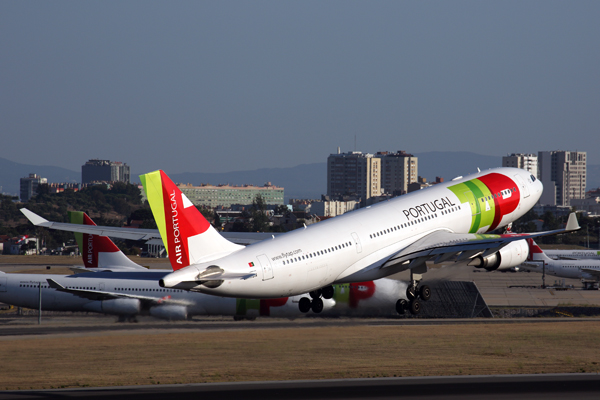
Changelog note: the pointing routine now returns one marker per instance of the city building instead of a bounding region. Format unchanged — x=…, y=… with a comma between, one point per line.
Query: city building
x=528, y=162
x=61, y=187
x=353, y=174
x=563, y=174
x=398, y=170
x=104, y=171
x=226, y=195
x=29, y=186
x=332, y=208
x=590, y=206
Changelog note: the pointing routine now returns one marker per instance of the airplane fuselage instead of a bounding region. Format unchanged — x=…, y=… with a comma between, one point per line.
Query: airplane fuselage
x=23, y=290
x=353, y=247
x=573, y=269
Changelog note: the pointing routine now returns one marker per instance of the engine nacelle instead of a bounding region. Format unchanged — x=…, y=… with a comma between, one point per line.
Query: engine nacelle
x=511, y=255
x=169, y=312
x=115, y=306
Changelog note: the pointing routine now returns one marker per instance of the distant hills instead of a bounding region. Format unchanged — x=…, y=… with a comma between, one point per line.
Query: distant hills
x=302, y=181
x=11, y=172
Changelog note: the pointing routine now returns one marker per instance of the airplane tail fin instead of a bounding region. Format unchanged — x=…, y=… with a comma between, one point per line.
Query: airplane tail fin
x=535, y=252
x=188, y=236
x=98, y=251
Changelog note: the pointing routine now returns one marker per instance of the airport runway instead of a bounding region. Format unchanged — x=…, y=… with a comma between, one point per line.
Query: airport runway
x=510, y=387
x=78, y=325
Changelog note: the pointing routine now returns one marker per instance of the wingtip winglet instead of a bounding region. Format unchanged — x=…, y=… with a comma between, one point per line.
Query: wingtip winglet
x=572, y=224
x=33, y=217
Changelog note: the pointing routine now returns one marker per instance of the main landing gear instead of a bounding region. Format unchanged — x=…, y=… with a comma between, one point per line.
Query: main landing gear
x=316, y=304
x=414, y=292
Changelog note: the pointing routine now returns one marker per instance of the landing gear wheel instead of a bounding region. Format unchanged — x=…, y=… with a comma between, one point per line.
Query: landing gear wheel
x=304, y=305
x=328, y=292
x=315, y=294
x=401, y=306
x=317, y=305
x=425, y=292
x=414, y=307
x=411, y=292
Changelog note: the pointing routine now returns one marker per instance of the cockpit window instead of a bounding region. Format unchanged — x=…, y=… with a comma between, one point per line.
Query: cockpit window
x=532, y=178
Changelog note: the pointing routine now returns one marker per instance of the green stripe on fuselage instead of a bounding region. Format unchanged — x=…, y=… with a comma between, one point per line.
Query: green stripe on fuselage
x=481, y=217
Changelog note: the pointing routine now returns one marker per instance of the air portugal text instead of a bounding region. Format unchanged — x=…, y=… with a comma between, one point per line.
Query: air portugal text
x=428, y=208
x=176, y=233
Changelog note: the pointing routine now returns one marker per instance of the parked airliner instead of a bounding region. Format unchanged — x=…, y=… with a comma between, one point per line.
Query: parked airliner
x=538, y=261
x=573, y=254
x=111, y=283
x=445, y=222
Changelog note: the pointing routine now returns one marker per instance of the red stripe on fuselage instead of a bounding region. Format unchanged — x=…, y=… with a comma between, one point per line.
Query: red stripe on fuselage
x=496, y=183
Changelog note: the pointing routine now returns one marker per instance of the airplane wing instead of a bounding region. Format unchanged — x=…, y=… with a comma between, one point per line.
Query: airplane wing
x=113, y=231
x=103, y=295
x=444, y=245
x=83, y=270
x=244, y=238
x=594, y=272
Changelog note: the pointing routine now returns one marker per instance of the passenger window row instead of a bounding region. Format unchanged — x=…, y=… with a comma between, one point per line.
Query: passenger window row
x=498, y=195
x=410, y=223
x=150, y=290
x=317, y=253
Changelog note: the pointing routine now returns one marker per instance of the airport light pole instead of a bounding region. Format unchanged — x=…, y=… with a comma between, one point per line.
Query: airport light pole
x=40, y=304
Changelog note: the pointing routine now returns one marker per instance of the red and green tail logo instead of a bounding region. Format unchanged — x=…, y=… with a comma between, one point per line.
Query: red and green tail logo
x=177, y=218
x=90, y=246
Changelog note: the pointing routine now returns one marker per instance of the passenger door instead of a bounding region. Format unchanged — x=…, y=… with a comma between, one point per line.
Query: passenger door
x=266, y=267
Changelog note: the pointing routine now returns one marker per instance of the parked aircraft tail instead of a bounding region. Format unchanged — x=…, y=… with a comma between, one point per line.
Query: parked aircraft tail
x=188, y=236
x=99, y=251
x=535, y=252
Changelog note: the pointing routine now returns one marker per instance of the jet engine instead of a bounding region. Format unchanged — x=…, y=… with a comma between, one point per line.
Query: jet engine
x=169, y=312
x=115, y=306
x=511, y=255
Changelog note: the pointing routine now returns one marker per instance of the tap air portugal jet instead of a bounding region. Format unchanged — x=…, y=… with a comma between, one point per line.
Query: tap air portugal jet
x=537, y=261
x=573, y=254
x=446, y=222
x=111, y=283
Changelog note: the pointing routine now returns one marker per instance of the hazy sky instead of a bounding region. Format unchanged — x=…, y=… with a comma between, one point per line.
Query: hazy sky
x=231, y=85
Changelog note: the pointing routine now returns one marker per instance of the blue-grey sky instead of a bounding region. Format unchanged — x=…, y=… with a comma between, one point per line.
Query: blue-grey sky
x=221, y=86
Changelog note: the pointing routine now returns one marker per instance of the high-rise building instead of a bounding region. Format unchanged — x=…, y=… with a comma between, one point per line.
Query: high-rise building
x=563, y=174
x=528, y=162
x=353, y=174
x=29, y=186
x=398, y=170
x=104, y=171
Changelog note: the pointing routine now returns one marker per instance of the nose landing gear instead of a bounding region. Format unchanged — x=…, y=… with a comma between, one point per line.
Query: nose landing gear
x=316, y=305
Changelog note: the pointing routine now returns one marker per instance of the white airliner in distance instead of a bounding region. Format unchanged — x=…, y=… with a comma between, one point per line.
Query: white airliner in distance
x=573, y=254
x=111, y=283
x=538, y=261
x=445, y=222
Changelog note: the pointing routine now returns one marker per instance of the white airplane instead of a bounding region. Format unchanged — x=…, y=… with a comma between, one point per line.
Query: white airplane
x=111, y=283
x=573, y=254
x=445, y=222
x=538, y=261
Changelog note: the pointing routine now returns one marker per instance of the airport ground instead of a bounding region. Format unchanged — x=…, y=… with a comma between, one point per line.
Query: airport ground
x=93, y=351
